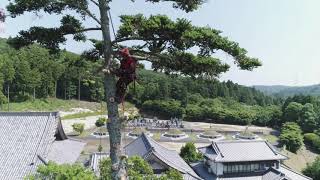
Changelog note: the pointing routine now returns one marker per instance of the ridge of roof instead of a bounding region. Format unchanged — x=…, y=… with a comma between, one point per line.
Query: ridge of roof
x=146, y=141
x=216, y=149
x=31, y=113
x=272, y=149
x=161, y=153
x=237, y=141
x=289, y=169
x=172, y=164
x=152, y=142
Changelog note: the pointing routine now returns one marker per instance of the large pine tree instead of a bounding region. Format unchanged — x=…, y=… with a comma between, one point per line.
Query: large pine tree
x=163, y=42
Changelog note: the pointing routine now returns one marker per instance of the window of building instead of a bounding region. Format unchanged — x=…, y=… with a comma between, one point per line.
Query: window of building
x=229, y=168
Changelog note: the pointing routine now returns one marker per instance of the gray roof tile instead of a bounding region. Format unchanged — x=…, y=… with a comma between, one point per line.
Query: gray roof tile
x=144, y=145
x=270, y=174
x=24, y=137
x=293, y=175
x=66, y=151
x=237, y=151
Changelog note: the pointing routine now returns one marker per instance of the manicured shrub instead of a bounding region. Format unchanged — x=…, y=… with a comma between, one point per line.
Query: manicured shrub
x=101, y=121
x=189, y=153
x=78, y=127
x=313, y=140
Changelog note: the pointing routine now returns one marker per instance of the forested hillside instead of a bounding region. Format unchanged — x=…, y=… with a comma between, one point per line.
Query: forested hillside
x=32, y=72
x=286, y=91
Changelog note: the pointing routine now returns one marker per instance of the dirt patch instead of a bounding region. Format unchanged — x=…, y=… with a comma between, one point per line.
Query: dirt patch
x=226, y=127
x=299, y=161
x=74, y=111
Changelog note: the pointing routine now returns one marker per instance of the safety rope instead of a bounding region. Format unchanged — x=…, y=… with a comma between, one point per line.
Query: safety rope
x=114, y=32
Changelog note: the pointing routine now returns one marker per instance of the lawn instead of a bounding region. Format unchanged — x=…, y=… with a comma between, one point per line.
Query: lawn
x=83, y=115
x=51, y=104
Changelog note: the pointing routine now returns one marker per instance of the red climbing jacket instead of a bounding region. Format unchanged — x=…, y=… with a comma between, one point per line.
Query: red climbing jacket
x=126, y=73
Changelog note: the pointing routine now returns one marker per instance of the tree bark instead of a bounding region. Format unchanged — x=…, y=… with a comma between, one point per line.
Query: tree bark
x=79, y=88
x=8, y=97
x=114, y=124
x=34, y=93
x=55, y=89
x=65, y=90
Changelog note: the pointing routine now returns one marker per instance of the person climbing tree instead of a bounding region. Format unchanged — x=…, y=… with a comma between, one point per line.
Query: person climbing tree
x=163, y=42
x=126, y=74
x=2, y=15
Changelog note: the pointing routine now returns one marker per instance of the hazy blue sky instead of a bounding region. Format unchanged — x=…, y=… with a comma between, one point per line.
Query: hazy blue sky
x=284, y=34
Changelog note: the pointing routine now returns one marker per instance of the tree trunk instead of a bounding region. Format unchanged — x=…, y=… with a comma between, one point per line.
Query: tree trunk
x=79, y=88
x=55, y=89
x=8, y=98
x=114, y=124
x=34, y=93
x=65, y=90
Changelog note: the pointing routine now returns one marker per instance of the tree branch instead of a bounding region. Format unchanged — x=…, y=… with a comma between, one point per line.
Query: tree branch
x=84, y=30
x=136, y=38
x=92, y=15
x=88, y=12
x=95, y=2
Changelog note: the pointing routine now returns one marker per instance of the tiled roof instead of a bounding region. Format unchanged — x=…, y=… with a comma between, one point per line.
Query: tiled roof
x=273, y=174
x=293, y=175
x=144, y=146
x=237, y=151
x=66, y=151
x=25, y=142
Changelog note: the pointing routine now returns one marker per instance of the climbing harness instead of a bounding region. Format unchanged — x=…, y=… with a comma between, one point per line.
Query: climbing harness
x=126, y=74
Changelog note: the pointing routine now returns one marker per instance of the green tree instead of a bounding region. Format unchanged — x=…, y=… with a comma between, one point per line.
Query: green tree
x=309, y=118
x=62, y=172
x=164, y=42
x=172, y=174
x=137, y=168
x=292, y=112
x=189, y=153
x=313, y=170
x=313, y=140
x=78, y=127
x=291, y=136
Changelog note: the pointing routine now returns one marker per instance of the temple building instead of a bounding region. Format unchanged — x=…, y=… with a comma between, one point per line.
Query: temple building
x=29, y=139
x=160, y=158
x=249, y=160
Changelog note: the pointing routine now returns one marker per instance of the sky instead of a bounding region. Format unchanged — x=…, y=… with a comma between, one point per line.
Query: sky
x=284, y=34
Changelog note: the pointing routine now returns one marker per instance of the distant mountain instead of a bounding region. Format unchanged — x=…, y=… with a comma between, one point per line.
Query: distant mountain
x=285, y=91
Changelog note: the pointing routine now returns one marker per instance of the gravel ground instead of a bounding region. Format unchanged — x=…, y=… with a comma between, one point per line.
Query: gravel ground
x=89, y=122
